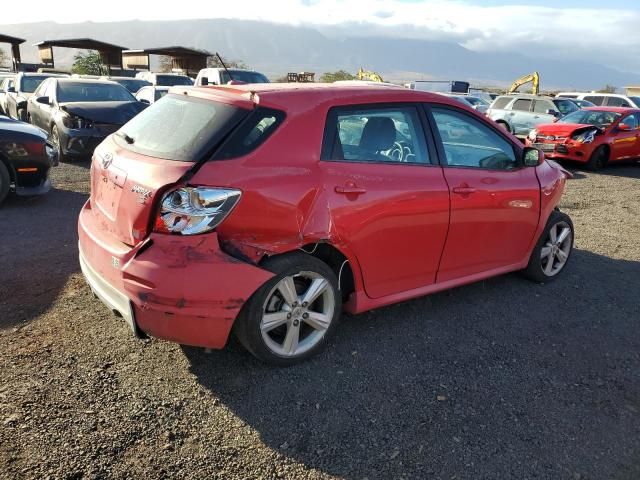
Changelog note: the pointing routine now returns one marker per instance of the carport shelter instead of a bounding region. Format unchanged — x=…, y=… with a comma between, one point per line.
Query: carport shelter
x=111, y=55
x=15, y=49
x=185, y=59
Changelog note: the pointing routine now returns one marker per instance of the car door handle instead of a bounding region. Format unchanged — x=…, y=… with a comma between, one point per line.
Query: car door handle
x=350, y=188
x=464, y=190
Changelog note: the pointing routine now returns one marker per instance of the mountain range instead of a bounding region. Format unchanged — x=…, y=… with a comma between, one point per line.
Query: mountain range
x=278, y=48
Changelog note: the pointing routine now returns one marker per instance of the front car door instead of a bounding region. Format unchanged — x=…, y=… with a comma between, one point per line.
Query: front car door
x=495, y=201
x=388, y=198
x=521, y=119
x=540, y=115
x=35, y=109
x=626, y=143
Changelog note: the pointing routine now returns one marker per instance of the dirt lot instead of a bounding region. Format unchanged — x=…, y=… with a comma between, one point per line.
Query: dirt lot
x=501, y=379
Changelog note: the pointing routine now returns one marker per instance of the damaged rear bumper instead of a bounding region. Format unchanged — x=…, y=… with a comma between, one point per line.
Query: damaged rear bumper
x=179, y=288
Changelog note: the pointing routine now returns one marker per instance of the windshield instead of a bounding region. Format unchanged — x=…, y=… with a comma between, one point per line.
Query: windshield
x=476, y=101
x=132, y=85
x=566, y=106
x=179, y=127
x=30, y=83
x=592, y=117
x=92, y=92
x=244, y=76
x=635, y=100
x=171, y=80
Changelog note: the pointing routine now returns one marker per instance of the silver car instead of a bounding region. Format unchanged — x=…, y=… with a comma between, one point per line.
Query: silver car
x=519, y=114
x=475, y=102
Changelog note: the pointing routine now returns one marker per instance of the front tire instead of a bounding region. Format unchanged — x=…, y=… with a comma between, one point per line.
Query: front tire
x=598, y=159
x=291, y=317
x=553, y=250
x=55, y=140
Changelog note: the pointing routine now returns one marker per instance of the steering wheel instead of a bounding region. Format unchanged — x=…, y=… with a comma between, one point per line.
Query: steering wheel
x=401, y=152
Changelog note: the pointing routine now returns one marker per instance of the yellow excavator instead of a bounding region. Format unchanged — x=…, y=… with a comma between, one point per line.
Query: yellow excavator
x=368, y=75
x=533, y=78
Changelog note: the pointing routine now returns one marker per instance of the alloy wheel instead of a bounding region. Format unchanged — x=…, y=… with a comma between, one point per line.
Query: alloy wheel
x=557, y=247
x=297, y=313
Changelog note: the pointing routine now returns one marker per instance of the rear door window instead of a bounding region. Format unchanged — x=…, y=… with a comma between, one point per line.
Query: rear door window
x=595, y=99
x=375, y=134
x=522, y=105
x=179, y=128
x=617, y=102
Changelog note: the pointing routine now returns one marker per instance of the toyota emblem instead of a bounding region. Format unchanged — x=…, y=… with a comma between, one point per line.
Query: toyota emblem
x=106, y=160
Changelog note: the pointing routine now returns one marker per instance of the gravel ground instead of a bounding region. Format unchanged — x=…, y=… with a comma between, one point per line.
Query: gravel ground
x=498, y=380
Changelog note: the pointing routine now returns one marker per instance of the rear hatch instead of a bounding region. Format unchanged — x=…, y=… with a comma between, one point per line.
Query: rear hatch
x=133, y=168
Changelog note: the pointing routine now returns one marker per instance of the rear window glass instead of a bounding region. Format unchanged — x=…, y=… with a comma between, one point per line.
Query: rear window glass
x=253, y=132
x=178, y=127
x=501, y=102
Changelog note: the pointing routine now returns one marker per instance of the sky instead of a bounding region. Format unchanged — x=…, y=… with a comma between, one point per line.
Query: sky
x=604, y=31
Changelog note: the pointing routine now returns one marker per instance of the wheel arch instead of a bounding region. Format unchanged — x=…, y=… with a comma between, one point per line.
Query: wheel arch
x=340, y=264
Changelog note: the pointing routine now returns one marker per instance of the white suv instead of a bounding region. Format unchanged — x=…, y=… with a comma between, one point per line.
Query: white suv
x=604, y=99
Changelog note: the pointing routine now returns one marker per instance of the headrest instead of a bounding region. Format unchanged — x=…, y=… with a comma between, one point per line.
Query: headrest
x=379, y=133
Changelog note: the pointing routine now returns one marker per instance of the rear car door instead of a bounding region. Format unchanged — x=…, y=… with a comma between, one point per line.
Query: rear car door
x=495, y=201
x=388, y=199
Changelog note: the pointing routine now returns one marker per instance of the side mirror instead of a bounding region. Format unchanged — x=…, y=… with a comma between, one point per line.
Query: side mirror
x=145, y=101
x=43, y=100
x=555, y=113
x=204, y=81
x=532, y=157
x=11, y=90
x=623, y=127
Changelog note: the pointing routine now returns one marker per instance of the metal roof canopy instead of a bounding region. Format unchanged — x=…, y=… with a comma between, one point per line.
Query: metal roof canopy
x=187, y=59
x=110, y=54
x=15, y=48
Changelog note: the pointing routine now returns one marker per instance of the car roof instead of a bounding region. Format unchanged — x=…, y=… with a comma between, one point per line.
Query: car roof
x=298, y=96
x=613, y=109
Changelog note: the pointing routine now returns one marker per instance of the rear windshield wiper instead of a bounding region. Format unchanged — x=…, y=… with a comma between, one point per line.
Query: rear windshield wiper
x=127, y=138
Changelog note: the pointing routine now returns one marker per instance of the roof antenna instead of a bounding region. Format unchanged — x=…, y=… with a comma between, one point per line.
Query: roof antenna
x=224, y=66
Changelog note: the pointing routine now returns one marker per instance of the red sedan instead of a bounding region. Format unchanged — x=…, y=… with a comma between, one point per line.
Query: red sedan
x=595, y=136
x=269, y=209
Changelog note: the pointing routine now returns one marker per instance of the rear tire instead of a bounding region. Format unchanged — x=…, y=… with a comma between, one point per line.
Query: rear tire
x=598, y=159
x=553, y=250
x=277, y=325
x=5, y=182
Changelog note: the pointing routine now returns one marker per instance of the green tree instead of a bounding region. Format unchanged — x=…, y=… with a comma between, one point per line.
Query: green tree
x=87, y=62
x=608, y=89
x=329, y=77
x=214, y=62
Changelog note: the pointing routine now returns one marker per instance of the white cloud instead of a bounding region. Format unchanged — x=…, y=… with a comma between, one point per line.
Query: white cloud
x=602, y=34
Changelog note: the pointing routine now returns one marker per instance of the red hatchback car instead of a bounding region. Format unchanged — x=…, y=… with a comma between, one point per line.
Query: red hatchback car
x=595, y=136
x=268, y=209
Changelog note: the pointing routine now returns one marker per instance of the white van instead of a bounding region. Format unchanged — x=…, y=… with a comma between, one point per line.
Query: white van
x=165, y=79
x=220, y=76
x=604, y=99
